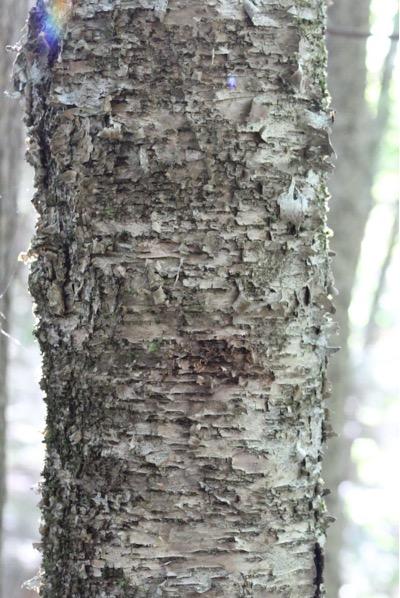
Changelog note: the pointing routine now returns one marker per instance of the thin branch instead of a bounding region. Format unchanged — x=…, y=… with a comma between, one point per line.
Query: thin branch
x=383, y=110
x=371, y=326
x=357, y=34
x=379, y=129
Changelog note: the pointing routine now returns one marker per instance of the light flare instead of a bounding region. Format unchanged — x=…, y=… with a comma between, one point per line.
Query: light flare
x=54, y=17
x=231, y=82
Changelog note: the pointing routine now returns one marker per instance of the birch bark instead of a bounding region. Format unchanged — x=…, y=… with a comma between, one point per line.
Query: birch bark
x=182, y=288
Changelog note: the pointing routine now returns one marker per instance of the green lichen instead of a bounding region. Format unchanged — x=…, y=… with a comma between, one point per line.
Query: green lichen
x=154, y=346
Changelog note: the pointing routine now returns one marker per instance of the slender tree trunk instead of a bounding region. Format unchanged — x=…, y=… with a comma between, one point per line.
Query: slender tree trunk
x=181, y=282
x=11, y=151
x=357, y=137
x=350, y=205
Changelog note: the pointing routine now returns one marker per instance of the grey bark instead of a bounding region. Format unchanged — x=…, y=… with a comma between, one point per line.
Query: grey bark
x=11, y=151
x=181, y=280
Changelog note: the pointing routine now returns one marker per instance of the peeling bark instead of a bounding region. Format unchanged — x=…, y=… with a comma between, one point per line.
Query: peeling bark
x=181, y=280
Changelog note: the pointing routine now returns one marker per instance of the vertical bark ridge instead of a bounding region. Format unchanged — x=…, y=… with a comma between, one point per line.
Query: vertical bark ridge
x=181, y=282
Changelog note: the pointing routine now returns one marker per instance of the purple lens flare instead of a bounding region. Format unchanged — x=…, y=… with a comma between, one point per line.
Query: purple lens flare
x=231, y=82
x=50, y=19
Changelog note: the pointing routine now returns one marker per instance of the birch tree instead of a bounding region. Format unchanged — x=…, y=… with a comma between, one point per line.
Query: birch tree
x=181, y=279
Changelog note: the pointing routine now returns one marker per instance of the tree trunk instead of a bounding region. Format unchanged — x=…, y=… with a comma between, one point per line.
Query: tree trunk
x=350, y=187
x=181, y=283
x=13, y=13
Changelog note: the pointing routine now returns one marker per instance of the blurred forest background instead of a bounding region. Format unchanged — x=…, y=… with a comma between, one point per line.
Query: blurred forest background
x=361, y=463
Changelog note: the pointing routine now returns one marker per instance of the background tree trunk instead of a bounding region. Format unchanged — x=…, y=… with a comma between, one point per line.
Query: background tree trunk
x=356, y=138
x=351, y=202
x=11, y=151
x=181, y=283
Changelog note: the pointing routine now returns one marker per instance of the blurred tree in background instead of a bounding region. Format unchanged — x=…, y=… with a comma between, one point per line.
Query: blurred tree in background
x=358, y=135
x=13, y=14
x=349, y=207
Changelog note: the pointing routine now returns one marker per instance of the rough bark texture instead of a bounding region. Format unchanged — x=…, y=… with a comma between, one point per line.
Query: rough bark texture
x=11, y=152
x=181, y=282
